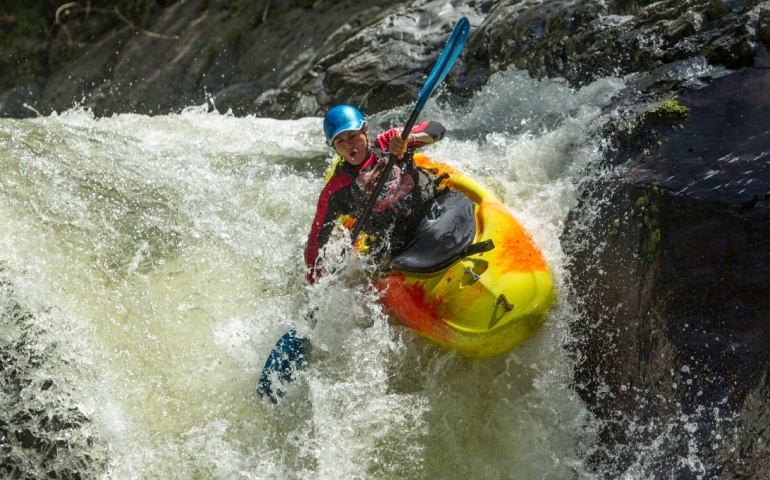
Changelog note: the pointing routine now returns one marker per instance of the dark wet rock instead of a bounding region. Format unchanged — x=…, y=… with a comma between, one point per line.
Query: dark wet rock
x=584, y=41
x=383, y=66
x=299, y=57
x=193, y=51
x=42, y=432
x=20, y=102
x=674, y=276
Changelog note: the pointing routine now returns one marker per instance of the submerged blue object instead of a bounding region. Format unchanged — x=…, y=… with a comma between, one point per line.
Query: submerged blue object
x=341, y=119
x=286, y=358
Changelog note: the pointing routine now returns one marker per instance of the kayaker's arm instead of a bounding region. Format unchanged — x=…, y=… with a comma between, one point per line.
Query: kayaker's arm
x=333, y=202
x=425, y=133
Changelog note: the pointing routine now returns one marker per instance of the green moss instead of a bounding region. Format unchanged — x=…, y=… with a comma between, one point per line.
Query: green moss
x=24, y=19
x=641, y=204
x=669, y=111
x=27, y=20
x=642, y=135
x=646, y=212
x=615, y=228
x=654, y=241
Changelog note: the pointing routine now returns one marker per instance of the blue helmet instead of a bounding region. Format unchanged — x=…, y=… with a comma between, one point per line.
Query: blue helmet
x=341, y=119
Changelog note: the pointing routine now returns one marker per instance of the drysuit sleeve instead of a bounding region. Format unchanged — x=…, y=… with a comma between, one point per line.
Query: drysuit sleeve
x=330, y=206
x=424, y=133
x=427, y=133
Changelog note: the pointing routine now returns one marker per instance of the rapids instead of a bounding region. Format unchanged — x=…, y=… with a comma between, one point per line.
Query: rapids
x=149, y=263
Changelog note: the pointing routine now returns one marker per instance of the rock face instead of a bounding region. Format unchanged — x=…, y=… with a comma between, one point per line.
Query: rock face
x=43, y=432
x=187, y=54
x=252, y=57
x=583, y=41
x=674, y=280
x=293, y=58
x=382, y=66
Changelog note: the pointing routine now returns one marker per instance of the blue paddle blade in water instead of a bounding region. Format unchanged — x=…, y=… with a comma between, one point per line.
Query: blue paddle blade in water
x=287, y=357
x=445, y=61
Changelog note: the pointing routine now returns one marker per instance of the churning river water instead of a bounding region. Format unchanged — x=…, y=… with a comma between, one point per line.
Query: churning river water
x=149, y=264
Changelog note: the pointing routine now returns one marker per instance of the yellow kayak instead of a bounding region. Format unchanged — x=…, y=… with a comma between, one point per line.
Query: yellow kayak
x=473, y=280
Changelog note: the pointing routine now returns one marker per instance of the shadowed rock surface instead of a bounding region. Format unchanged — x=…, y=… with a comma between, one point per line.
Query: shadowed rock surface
x=674, y=276
x=295, y=58
x=586, y=40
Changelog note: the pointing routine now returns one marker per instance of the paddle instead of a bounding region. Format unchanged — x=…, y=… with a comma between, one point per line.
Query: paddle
x=288, y=355
x=443, y=65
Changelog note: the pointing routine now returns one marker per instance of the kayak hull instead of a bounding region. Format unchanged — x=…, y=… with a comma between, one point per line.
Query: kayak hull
x=482, y=305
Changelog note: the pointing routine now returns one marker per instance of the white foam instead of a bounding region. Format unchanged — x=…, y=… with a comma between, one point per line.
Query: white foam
x=176, y=241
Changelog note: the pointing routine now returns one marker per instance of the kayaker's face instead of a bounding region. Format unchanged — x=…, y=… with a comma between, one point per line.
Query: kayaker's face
x=352, y=145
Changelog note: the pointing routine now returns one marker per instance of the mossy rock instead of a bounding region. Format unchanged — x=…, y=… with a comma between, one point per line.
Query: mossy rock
x=670, y=112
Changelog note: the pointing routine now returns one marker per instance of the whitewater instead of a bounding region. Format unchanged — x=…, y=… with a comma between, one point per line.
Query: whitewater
x=148, y=264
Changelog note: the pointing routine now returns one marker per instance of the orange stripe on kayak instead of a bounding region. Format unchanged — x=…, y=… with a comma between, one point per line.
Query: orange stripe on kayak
x=515, y=249
x=406, y=301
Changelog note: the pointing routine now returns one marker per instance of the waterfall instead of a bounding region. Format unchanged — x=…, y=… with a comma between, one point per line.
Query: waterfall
x=149, y=263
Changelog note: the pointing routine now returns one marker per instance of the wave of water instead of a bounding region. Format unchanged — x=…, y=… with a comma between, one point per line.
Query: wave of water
x=148, y=264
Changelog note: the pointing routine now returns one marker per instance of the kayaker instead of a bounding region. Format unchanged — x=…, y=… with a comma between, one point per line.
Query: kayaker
x=399, y=207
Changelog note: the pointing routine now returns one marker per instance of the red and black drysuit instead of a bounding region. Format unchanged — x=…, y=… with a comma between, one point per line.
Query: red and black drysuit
x=397, y=210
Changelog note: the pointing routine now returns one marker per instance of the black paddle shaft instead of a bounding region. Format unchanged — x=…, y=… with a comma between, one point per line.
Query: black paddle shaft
x=361, y=220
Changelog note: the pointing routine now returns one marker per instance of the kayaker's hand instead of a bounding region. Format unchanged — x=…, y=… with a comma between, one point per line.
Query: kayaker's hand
x=397, y=146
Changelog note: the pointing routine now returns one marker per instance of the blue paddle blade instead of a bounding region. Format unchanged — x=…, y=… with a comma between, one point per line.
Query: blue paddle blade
x=286, y=358
x=445, y=61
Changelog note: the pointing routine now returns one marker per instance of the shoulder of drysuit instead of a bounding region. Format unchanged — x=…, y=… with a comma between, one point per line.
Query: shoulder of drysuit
x=336, y=199
x=340, y=177
x=343, y=173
